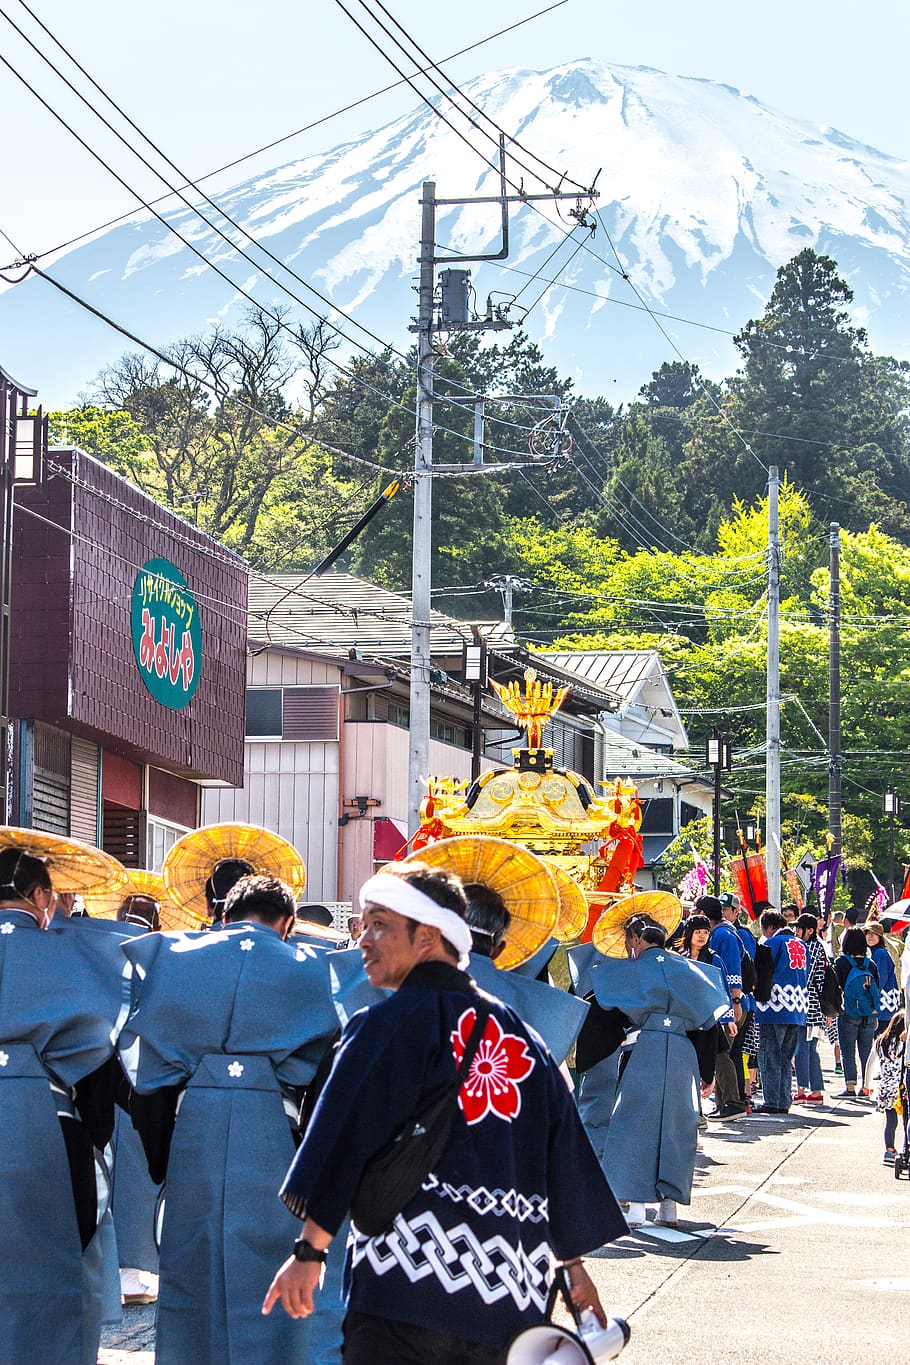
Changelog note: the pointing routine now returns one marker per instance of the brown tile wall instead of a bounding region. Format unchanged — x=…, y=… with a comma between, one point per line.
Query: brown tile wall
x=73, y=627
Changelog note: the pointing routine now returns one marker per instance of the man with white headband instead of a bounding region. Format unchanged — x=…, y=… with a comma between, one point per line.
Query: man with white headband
x=517, y=1188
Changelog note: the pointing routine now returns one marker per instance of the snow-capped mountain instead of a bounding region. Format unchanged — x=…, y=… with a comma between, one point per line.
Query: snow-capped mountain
x=703, y=194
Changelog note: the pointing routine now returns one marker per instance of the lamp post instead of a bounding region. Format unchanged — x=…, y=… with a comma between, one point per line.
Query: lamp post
x=891, y=805
x=718, y=755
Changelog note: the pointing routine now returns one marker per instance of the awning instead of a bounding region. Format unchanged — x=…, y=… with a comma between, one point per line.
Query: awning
x=389, y=838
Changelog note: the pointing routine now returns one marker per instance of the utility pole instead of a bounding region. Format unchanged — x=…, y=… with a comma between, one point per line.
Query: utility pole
x=834, y=750
x=455, y=301
x=718, y=755
x=419, y=731
x=772, y=729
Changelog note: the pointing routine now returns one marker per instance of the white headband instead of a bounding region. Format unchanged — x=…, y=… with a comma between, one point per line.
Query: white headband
x=399, y=895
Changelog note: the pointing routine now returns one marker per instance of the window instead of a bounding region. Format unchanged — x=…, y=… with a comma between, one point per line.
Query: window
x=399, y=715
x=688, y=812
x=657, y=815
x=292, y=713
x=263, y=712
x=162, y=835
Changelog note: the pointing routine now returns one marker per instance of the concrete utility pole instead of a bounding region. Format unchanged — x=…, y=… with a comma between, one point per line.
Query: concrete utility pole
x=419, y=733
x=454, y=306
x=772, y=768
x=834, y=753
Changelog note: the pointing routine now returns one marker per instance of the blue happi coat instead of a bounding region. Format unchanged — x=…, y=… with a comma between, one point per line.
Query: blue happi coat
x=649, y=1150
x=888, y=984
x=789, y=968
x=470, y=1254
x=61, y=1005
x=238, y=1020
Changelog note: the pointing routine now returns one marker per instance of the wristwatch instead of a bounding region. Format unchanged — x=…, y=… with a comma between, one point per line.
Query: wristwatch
x=305, y=1251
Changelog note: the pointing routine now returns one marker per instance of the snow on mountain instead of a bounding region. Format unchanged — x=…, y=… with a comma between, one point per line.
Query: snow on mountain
x=704, y=193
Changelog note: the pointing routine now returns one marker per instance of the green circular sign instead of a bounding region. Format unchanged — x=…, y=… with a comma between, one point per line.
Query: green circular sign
x=167, y=633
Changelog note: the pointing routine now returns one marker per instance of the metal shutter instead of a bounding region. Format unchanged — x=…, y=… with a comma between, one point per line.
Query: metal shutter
x=310, y=713
x=51, y=782
x=84, y=790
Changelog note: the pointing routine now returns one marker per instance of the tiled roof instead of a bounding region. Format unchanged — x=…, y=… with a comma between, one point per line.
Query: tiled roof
x=338, y=612
x=618, y=670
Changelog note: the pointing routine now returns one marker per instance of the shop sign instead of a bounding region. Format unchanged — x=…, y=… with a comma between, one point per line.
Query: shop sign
x=167, y=633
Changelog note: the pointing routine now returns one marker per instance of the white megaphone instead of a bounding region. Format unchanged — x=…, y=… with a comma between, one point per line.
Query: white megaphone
x=549, y=1344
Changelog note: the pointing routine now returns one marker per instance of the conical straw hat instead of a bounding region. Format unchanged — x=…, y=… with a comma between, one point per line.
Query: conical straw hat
x=609, y=935
x=105, y=904
x=189, y=863
x=573, y=905
x=72, y=865
x=524, y=881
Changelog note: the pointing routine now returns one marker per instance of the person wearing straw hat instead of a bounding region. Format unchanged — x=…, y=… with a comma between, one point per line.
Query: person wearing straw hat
x=226, y=1030
x=650, y=1145
x=889, y=987
x=60, y=1012
x=469, y=1258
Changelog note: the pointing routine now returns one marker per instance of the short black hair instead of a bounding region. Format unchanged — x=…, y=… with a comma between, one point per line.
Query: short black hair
x=225, y=874
x=263, y=898
x=771, y=921
x=806, y=921
x=710, y=906
x=691, y=926
x=643, y=926
x=140, y=910
x=21, y=873
x=487, y=917
x=851, y=915
x=854, y=943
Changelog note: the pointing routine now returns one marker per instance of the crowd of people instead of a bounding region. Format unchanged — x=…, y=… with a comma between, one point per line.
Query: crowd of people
x=373, y=1154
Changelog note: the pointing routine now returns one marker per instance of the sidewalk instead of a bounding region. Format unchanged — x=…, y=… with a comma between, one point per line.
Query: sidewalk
x=795, y=1243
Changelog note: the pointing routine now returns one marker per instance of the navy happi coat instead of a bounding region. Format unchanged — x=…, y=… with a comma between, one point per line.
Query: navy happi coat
x=237, y=1021
x=517, y=1185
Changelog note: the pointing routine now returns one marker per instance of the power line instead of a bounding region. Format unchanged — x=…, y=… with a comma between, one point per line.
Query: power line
x=287, y=137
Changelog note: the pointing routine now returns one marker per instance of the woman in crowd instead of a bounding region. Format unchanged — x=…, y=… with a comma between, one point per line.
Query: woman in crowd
x=858, y=977
x=890, y=1048
x=810, y=1085
x=712, y=1050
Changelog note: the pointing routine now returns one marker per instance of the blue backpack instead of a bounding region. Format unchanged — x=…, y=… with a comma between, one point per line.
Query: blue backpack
x=862, y=997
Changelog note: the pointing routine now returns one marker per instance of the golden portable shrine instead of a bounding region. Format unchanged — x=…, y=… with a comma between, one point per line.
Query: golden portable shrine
x=592, y=839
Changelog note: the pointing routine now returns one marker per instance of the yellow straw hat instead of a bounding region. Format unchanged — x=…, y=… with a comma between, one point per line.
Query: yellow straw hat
x=524, y=881
x=573, y=906
x=189, y=864
x=609, y=935
x=72, y=865
x=105, y=904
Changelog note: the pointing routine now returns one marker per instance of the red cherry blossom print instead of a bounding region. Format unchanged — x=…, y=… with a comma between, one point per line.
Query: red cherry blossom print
x=501, y=1064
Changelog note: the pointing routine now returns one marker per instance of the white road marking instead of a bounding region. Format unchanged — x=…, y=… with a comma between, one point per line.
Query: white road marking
x=890, y=1286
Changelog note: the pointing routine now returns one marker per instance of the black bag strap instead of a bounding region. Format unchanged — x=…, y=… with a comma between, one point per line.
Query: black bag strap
x=560, y=1285
x=476, y=1038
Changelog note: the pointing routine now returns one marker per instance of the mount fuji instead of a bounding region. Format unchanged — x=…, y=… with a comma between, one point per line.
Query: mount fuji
x=703, y=193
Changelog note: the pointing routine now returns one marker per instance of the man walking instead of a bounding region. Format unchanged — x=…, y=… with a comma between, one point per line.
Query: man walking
x=469, y=1259
x=226, y=1029
x=730, y=1094
x=781, y=1000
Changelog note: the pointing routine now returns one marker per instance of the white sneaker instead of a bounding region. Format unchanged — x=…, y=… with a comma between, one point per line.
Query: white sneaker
x=636, y=1217
x=666, y=1213
x=138, y=1286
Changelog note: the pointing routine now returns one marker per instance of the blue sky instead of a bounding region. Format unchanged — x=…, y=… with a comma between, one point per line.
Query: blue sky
x=210, y=82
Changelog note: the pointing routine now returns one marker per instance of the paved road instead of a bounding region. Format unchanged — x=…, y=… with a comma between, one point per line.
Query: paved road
x=795, y=1244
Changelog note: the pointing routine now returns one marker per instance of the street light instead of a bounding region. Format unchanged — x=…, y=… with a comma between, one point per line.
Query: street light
x=891, y=805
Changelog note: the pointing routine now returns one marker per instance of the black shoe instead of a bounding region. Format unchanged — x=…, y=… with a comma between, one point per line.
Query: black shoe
x=767, y=1109
x=730, y=1111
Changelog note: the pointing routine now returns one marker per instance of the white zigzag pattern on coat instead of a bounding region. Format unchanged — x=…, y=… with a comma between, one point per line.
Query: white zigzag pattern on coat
x=455, y=1257
x=792, y=998
x=511, y=1203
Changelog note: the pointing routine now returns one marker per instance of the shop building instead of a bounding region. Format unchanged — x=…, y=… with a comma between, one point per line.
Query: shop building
x=127, y=663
